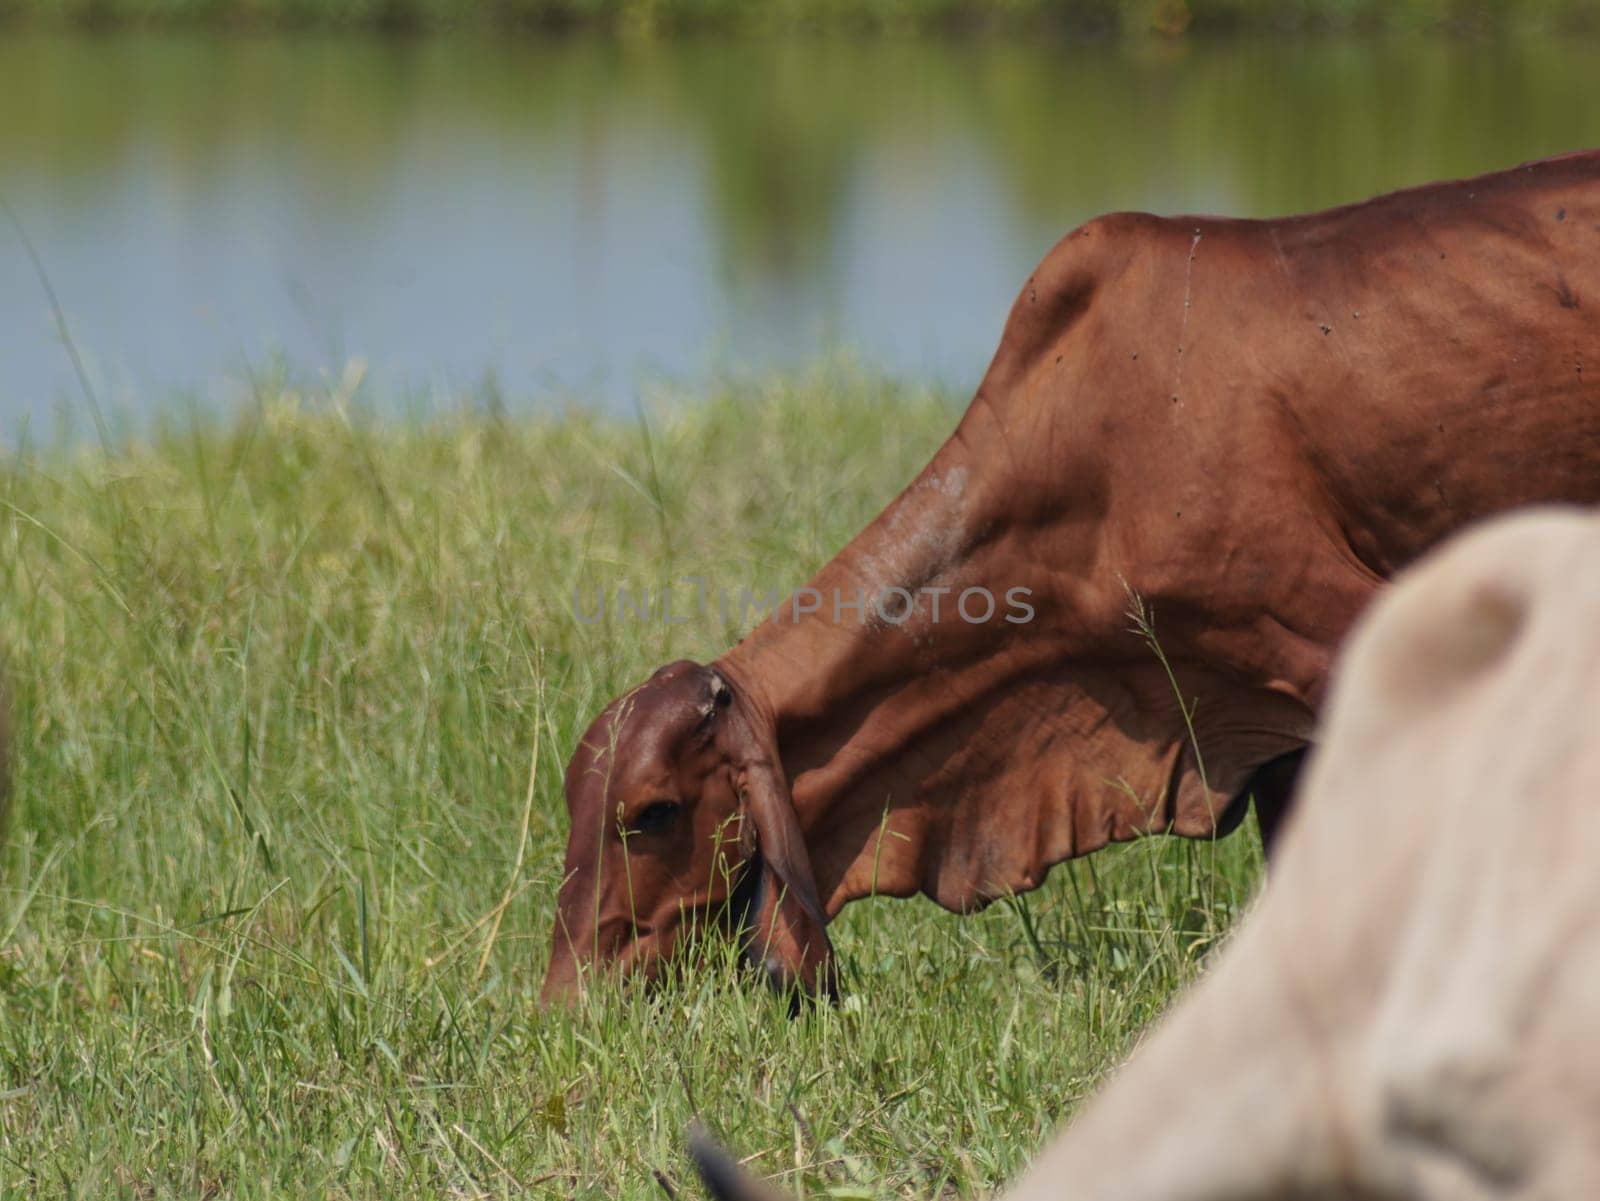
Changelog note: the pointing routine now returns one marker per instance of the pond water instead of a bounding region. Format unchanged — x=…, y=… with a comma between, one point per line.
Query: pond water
x=576, y=221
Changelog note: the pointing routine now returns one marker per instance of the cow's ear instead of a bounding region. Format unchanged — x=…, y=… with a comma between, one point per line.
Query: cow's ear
x=787, y=931
x=788, y=935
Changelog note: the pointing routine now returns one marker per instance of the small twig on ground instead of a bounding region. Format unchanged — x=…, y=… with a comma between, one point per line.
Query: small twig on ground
x=522, y=839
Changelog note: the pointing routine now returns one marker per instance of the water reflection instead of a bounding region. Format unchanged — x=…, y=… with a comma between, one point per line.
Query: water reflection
x=572, y=216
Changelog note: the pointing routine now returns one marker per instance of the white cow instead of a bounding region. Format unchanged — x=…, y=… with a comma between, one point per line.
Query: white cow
x=1412, y=1011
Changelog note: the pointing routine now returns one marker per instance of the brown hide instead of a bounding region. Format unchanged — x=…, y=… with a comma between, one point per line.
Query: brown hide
x=1408, y=1014
x=1240, y=428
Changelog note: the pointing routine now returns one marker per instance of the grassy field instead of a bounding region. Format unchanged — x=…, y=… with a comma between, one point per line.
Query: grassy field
x=292, y=696
x=1093, y=17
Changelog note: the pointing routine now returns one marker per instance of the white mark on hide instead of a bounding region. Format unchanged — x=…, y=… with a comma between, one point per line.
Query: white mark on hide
x=1183, y=328
x=918, y=542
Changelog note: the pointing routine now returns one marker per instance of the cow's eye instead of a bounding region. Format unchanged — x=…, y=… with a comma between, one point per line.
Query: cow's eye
x=657, y=815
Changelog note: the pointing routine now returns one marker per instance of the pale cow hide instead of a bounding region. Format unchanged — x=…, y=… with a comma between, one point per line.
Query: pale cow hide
x=1410, y=1011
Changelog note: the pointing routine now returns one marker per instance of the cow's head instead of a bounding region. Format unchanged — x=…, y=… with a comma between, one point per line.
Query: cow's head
x=680, y=812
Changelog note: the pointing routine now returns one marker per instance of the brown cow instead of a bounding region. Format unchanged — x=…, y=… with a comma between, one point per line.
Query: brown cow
x=1238, y=428
x=1408, y=1014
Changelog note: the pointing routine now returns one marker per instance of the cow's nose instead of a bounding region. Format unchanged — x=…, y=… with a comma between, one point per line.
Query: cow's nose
x=781, y=978
x=561, y=983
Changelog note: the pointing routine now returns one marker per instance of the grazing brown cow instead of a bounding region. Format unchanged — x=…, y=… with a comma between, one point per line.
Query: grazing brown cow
x=1409, y=1013
x=1238, y=428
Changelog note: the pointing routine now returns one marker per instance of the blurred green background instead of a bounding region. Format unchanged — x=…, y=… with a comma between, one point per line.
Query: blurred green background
x=1169, y=18
x=390, y=342
x=577, y=218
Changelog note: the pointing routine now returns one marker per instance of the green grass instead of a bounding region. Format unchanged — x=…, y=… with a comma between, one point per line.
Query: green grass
x=284, y=691
x=1094, y=17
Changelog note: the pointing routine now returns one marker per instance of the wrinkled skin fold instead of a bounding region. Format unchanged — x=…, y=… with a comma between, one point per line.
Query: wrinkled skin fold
x=1408, y=1014
x=1213, y=437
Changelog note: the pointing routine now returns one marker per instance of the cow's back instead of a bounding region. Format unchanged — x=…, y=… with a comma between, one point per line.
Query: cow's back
x=1272, y=416
x=1433, y=355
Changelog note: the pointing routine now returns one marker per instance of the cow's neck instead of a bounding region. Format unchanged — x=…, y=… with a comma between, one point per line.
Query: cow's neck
x=903, y=743
x=845, y=635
